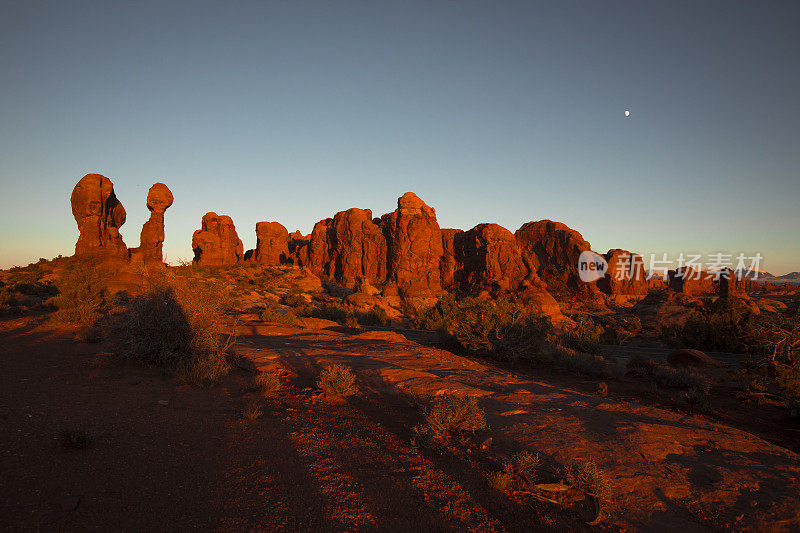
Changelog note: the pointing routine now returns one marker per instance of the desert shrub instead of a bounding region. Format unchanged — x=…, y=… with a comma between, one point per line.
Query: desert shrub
x=725, y=325
x=452, y=415
x=525, y=464
x=437, y=316
x=477, y=324
x=583, y=335
x=351, y=323
x=82, y=293
x=376, y=316
x=297, y=301
x=252, y=411
x=500, y=480
x=331, y=311
x=641, y=366
x=176, y=324
x=663, y=375
x=586, y=477
x=582, y=363
x=668, y=377
x=694, y=399
x=337, y=380
x=7, y=299
x=279, y=317
x=620, y=329
x=268, y=382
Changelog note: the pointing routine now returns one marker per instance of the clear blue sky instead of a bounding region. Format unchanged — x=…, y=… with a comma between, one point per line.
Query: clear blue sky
x=490, y=111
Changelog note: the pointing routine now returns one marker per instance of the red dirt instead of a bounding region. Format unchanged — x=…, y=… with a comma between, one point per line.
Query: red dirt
x=195, y=463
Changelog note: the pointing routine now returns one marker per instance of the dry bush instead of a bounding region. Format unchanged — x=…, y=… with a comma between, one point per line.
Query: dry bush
x=452, y=415
x=525, y=464
x=376, y=316
x=253, y=411
x=586, y=477
x=268, y=382
x=582, y=363
x=663, y=375
x=351, y=323
x=500, y=480
x=337, y=380
x=583, y=335
x=82, y=293
x=176, y=323
x=278, y=317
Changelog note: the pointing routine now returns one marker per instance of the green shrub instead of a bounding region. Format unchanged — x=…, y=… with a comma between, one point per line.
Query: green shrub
x=277, y=317
x=478, y=324
x=82, y=293
x=331, y=311
x=436, y=317
x=582, y=363
x=618, y=330
x=452, y=415
x=583, y=335
x=725, y=325
x=377, y=316
x=661, y=374
x=337, y=380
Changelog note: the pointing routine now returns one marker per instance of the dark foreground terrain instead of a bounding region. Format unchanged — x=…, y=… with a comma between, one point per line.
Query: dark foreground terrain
x=90, y=444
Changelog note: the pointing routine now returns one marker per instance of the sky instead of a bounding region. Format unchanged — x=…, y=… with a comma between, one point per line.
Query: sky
x=496, y=111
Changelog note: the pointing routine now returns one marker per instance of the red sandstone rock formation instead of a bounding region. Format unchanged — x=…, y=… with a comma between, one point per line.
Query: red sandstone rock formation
x=448, y=265
x=159, y=198
x=491, y=259
x=625, y=274
x=99, y=216
x=272, y=243
x=688, y=280
x=553, y=249
x=217, y=243
x=414, y=248
x=345, y=247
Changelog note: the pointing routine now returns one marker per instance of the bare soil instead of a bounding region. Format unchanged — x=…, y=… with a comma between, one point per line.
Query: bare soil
x=165, y=456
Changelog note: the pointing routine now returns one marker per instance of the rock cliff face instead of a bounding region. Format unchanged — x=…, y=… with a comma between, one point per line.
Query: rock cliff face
x=99, y=216
x=216, y=243
x=346, y=247
x=688, y=280
x=625, y=274
x=159, y=198
x=414, y=248
x=553, y=249
x=449, y=266
x=272, y=244
x=491, y=259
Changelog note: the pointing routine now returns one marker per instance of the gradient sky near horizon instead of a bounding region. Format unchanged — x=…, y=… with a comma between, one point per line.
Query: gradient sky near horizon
x=495, y=111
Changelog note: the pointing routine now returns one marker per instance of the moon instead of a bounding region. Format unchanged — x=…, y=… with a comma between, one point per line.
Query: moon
x=627, y=113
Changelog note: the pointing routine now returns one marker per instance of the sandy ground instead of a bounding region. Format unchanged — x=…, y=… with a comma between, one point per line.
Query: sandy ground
x=169, y=457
